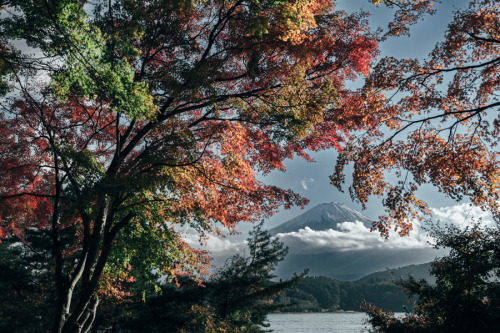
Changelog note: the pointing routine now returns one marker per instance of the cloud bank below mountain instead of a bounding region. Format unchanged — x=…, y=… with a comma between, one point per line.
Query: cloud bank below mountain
x=352, y=236
x=349, y=236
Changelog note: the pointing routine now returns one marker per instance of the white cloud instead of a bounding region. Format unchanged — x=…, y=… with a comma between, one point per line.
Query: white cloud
x=218, y=247
x=304, y=183
x=348, y=236
x=461, y=215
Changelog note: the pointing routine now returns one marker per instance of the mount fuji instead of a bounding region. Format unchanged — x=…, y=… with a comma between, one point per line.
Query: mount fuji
x=334, y=240
x=322, y=217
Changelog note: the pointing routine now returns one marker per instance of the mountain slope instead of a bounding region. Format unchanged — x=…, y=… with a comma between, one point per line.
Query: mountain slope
x=322, y=217
x=353, y=265
x=417, y=271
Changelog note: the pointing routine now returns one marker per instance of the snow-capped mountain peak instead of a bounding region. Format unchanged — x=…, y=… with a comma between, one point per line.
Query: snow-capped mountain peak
x=322, y=217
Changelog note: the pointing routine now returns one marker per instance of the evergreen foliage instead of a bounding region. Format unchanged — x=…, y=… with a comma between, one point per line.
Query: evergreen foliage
x=25, y=286
x=466, y=296
x=236, y=298
x=320, y=294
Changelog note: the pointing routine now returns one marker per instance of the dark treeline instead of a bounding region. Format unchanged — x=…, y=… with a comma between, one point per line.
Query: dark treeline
x=320, y=293
x=465, y=295
x=235, y=298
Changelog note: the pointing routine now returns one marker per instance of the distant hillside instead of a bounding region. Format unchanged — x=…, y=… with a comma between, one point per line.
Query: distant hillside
x=320, y=294
x=322, y=217
x=352, y=265
x=417, y=271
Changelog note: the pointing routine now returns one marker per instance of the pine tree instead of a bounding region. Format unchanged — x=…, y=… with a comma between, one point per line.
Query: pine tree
x=237, y=298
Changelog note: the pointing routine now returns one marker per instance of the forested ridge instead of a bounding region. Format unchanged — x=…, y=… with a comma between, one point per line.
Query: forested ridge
x=323, y=294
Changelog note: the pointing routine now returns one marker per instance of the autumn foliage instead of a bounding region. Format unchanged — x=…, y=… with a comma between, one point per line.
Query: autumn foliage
x=436, y=122
x=128, y=120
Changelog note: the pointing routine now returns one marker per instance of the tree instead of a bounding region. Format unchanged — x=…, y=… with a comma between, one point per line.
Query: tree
x=465, y=297
x=129, y=118
x=25, y=288
x=236, y=298
x=4, y=67
x=242, y=287
x=439, y=125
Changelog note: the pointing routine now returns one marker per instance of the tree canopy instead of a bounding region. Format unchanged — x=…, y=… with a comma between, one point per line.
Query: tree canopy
x=437, y=123
x=125, y=121
x=128, y=119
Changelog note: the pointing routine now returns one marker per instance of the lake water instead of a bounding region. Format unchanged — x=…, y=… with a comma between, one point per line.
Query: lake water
x=317, y=322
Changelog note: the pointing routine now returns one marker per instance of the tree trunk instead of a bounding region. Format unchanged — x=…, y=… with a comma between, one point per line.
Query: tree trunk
x=79, y=317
